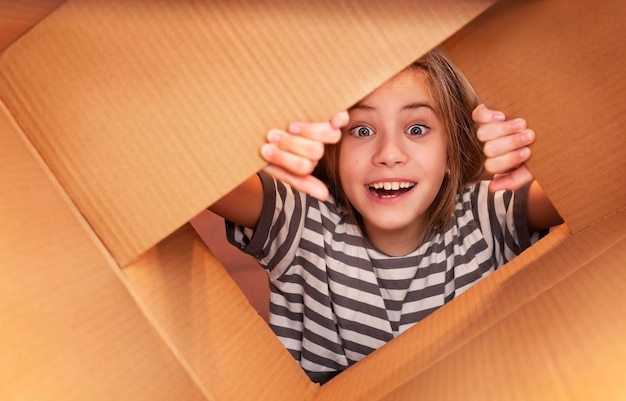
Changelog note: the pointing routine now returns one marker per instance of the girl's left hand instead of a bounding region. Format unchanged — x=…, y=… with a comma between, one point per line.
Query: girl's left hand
x=505, y=144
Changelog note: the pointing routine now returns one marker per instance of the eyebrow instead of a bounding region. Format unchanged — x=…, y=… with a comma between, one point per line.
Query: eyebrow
x=417, y=105
x=361, y=106
x=410, y=106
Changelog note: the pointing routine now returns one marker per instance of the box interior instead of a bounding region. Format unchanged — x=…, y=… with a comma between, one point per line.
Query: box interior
x=121, y=121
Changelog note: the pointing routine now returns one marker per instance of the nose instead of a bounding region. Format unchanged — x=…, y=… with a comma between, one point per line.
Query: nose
x=389, y=151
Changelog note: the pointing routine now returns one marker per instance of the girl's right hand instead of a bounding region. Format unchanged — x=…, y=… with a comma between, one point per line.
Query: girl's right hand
x=293, y=154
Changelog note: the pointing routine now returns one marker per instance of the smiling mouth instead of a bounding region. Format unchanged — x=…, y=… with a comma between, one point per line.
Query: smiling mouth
x=390, y=189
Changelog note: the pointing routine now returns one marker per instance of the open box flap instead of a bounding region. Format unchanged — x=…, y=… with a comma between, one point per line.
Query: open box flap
x=561, y=65
x=227, y=344
x=70, y=327
x=149, y=111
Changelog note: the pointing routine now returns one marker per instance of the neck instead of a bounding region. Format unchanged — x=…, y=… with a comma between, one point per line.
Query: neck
x=396, y=242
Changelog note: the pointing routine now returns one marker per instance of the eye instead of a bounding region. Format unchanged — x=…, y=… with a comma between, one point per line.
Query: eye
x=362, y=131
x=417, y=130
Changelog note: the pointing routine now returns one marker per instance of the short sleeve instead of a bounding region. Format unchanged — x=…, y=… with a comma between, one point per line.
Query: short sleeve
x=275, y=240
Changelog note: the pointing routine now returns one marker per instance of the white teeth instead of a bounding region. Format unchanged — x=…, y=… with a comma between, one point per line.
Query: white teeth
x=392, y=185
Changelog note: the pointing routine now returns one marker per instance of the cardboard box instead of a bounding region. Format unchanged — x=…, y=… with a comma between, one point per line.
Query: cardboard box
x=121, y=120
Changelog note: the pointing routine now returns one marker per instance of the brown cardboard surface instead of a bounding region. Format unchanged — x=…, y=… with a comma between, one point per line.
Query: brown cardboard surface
x=148, y=111
x=230, y=348
x=561, y=65
x=70, y=329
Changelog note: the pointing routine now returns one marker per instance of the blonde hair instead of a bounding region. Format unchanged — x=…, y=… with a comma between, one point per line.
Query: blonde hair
x=455, y=100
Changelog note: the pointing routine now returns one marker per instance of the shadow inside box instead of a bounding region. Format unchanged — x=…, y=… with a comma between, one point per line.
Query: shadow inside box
x=243, y=268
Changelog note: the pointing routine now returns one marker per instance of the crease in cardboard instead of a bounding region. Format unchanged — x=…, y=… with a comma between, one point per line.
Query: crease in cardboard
x=18, y=17
x=182, y=360
x=19, y=130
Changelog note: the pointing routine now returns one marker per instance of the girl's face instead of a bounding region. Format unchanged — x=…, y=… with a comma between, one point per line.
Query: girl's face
x=392, y=161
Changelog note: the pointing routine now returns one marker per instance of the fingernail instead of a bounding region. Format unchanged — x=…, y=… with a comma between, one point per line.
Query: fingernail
x=519, y=124
x=294, y=128
x=524, y=153
x=340, y=119
x=321, y=194
x=499, y=116
x=528, y=136
x=267, y=151
x=273, y=136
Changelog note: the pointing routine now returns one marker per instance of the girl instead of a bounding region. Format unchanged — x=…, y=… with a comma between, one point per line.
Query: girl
x=406, y=227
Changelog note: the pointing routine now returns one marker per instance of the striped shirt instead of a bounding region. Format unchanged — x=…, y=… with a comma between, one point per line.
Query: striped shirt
x=335, y=298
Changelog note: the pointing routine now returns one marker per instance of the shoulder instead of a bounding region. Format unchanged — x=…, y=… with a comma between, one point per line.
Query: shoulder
x=473, y=196
x=478, y=195
x=477, y=205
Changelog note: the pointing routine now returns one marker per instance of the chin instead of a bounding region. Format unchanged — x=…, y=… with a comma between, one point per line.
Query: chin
x=390, y=225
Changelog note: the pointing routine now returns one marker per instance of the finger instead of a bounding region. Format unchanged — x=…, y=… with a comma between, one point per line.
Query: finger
x=294, y=163
x=321, y=132
x=489, y=131
x=297, y=145
x=306, y=184
x=340, y=120
x=513, y=180
x=483, y=115
x=508, y=161
x=500, y=146
x=325, y=132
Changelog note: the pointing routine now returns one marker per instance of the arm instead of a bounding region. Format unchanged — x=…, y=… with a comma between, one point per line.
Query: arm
x=292, y=156
x=541, y=213
x=242, y=205
x=506, y=147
